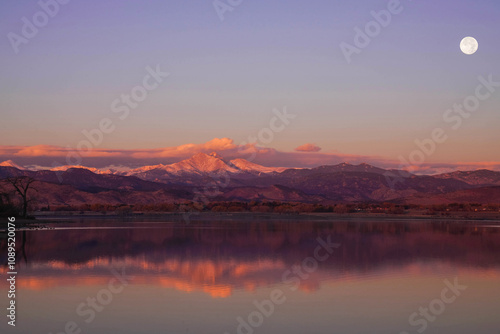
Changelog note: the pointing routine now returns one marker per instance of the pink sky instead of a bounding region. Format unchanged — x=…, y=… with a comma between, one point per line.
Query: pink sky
x=306, y=155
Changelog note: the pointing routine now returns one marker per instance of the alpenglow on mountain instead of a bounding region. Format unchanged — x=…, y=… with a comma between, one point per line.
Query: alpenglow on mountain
x=242, y=180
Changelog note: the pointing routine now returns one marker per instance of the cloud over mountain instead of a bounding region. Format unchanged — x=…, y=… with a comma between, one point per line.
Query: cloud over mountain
x=216, y=144
x=54, y=156
x=308, y=148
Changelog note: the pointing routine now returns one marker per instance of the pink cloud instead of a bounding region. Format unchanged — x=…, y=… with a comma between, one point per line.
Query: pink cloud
x=47, y=155
x=9, y=150
x=308, y=148
x=41, y=151
x=57, y=151
x=480, y=164
x=216, y=144
x=441, y=168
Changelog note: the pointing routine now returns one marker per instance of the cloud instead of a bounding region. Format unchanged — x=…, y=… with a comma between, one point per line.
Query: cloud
x=56, y=151
x=51, y=156
x=216, y=144
x=40, y=151
x=308, y=148
x=480, y=164
x=441, y=168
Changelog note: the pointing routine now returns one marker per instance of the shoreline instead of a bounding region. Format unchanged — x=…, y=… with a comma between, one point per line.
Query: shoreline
x=462, y=216
x=41, y=221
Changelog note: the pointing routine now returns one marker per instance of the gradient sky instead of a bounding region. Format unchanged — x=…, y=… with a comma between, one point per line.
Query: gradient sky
x=227, y=76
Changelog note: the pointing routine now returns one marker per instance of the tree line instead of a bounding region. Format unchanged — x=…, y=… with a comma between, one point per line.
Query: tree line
x=280, y=207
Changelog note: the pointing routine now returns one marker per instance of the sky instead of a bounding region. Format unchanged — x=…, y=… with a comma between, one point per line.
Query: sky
x=231, y=68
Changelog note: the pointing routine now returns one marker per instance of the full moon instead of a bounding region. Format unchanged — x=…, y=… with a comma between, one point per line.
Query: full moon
x=469, y=45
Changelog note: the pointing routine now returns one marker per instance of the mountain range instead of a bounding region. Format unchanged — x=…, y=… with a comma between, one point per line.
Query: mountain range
x=217, y=179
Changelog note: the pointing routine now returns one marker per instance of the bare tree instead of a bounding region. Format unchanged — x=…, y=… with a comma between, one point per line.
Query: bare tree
x=22, y=185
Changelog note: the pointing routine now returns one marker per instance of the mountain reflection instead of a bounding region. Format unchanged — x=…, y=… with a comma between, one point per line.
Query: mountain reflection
x=218, y=258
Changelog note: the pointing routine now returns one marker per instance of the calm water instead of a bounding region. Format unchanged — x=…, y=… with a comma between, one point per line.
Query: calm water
x=257, y=277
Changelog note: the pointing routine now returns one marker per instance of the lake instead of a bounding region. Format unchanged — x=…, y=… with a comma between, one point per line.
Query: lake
x=256, y=276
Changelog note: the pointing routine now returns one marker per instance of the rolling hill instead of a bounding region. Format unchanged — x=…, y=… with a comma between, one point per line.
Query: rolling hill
x=242, y=180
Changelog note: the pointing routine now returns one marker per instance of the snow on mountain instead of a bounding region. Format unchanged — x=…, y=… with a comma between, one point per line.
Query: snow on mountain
x=476, y=177
x=202, y=163
x=247, y=166
x=199, y=165
x=10, y=163
x=347, y=167
x=144, y=169
x=92, y=169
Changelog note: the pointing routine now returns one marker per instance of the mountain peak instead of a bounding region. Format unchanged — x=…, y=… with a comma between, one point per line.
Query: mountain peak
x=10, y=163
x=67, y=167
x=201, y=163
x=204, y=157
x=215, y=155
x=247, y=166
x=200, y=154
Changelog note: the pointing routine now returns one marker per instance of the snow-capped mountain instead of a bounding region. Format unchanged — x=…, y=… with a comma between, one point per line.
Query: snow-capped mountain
x=247, y=166
x=92, y=169
x=10, y=163
x=477, y=177
x=200, y=165
x=191, y=170
x=244, y=180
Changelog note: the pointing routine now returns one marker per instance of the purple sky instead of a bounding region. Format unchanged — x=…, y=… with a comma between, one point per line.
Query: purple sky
x=227, y=76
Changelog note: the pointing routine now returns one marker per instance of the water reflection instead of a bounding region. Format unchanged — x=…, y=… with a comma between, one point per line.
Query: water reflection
x=219, y=258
